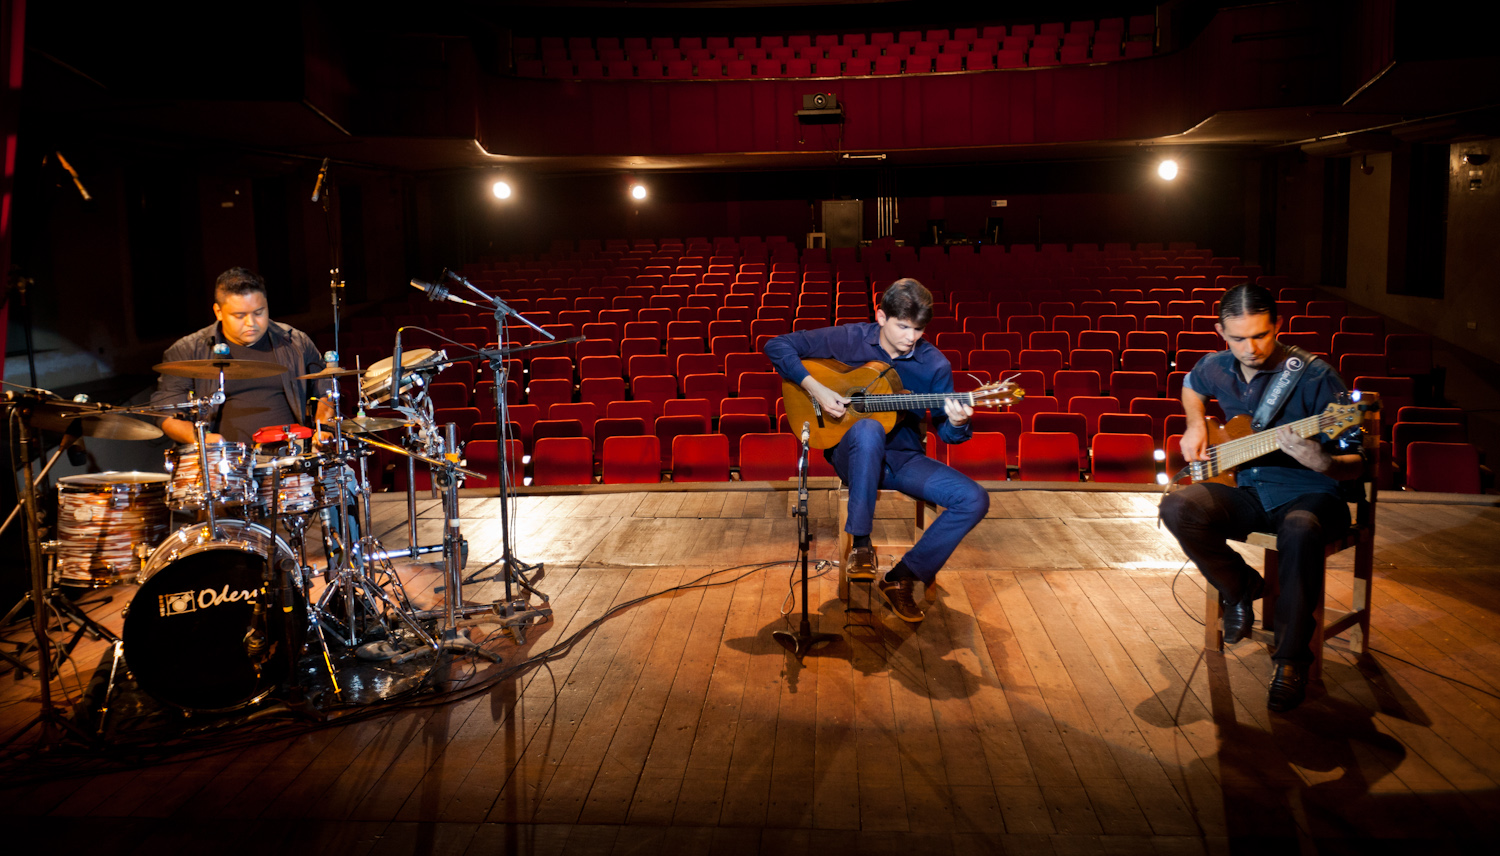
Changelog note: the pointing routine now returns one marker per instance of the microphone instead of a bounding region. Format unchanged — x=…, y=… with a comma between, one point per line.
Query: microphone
x=318, y=185
x=806, y=432
x=396, y=370
x=439, y=293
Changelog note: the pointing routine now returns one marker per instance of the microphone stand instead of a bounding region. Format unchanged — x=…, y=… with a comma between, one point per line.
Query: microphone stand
x=516, y=613
x=804, y=640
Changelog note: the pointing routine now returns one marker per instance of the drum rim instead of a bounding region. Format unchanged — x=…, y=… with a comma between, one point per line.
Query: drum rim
x=149, y=569
x=147, y=479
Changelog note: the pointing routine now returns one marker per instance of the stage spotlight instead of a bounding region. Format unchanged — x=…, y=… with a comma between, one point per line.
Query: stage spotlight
x=501, y=189
x=1167, y=169
x=1161, y=478
x=638, y=192
x=1159, y=455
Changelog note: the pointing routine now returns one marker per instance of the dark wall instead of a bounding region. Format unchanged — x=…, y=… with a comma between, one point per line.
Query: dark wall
x=1086, y=201
x=120, y=275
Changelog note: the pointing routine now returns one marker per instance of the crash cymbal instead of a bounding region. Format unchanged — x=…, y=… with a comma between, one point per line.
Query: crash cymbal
x=209, y=369
x=370, y=424
x=57, y=416
x=113, y=426
x=331, y=371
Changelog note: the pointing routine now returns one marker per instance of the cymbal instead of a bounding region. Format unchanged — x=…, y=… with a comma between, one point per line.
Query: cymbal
x=209, y=369
x=57, y=416
x=331, y=371
x=370, y=424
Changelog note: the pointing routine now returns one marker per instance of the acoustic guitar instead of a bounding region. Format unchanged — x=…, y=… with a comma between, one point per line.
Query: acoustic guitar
x=1236, y=443
x=875, y=392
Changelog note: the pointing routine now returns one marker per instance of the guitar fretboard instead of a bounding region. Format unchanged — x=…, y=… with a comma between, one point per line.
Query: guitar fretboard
x=908, y=401
x=1227, y=456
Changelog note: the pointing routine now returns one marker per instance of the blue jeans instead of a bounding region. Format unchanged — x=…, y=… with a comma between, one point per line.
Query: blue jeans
x=862, y=461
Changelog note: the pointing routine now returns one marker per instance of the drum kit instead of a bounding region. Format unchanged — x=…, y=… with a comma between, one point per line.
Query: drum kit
x=226, y=608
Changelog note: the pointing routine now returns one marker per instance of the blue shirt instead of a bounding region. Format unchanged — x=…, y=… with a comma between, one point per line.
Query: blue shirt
x=922, y=370
x=1277, y=477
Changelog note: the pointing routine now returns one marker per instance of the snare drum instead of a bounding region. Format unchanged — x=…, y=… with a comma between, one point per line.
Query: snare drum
x=376, y=383
x=299, y=492
x=105, y=523
x=231, y=475
x=185, y=630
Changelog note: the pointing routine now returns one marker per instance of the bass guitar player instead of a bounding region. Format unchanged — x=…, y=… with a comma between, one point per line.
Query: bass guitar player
x=1293, y=491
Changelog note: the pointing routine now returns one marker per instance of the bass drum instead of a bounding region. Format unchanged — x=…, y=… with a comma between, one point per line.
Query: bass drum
x=186, y=628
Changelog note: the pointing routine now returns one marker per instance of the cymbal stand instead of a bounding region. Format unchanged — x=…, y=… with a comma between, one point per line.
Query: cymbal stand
x=454, y=556
x=49, y=719
x=804, y=640
x=350, y=577
x=515, y=611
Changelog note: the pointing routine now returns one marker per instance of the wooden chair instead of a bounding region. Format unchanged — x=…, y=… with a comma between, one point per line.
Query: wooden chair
x=1360, y=537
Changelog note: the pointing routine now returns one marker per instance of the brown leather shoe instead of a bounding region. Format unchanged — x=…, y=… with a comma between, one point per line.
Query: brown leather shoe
x=899, y=597
x=860, y=563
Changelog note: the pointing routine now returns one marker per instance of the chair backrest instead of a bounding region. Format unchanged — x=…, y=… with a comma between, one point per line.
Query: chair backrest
x=982, y=457
x=1048, y=456
x=700, y=458
x=632, y=459
x=765, y=456
x=1442, y=467
x=562, y=461
x=1124, y=458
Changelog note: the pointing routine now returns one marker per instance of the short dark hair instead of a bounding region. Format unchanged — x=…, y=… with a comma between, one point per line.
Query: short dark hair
x=1247, y=299
x=237, y=281
x=907, y=300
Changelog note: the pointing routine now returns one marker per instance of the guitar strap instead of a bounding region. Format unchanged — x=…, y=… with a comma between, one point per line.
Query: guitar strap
x=1294, y=366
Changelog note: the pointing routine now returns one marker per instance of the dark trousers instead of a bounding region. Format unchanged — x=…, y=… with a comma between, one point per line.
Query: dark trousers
x=1205, y=516
x=861, y=461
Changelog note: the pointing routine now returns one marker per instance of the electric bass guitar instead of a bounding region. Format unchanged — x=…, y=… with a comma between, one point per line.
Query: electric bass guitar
x=875, y=392
x=1236, y=443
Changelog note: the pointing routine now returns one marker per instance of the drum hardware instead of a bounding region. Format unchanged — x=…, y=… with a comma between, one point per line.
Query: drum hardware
x=514, y=608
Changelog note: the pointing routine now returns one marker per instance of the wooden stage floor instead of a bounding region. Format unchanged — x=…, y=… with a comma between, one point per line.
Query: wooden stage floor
x=1056, y=700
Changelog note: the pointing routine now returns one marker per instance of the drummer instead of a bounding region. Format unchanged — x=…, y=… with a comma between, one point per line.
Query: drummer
x=244, y=324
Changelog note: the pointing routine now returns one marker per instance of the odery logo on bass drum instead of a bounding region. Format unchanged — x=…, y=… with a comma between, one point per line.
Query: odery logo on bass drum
x=184, y=602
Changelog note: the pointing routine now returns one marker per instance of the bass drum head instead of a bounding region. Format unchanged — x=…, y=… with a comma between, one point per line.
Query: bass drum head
x=185, y=631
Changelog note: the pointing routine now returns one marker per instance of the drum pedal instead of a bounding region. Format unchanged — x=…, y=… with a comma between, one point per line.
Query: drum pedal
x=380, y=649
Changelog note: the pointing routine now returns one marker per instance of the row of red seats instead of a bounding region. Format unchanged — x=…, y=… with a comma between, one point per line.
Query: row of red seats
x=698, y=52
x=881, y=64
x=1053, y=32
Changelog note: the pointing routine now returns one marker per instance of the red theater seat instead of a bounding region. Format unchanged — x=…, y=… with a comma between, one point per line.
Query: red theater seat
x=1124, y=458
x=562, y=461
x=1048, y=457
x=982, y=457
x=769, y=457
x=700, y=458
x=632, y=460
x=1442, y=467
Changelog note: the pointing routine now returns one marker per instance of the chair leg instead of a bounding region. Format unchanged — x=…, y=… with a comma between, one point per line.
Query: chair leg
x=1364, y=570
x=846, y=541
x=1271, y=591
x=1213, y=620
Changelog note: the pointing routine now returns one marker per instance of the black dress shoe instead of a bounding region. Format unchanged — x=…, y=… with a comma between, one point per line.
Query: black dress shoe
x=1288, y=686
x=1239, y=618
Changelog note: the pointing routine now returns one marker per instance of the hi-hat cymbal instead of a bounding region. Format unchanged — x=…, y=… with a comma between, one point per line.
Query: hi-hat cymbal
x=209, y=369
x=331, y=371
x=370, y=424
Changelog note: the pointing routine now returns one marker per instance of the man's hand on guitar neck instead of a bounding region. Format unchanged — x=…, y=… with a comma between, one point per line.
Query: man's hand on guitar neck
x=958, y=412
x=1311, y=454
x=831, y=402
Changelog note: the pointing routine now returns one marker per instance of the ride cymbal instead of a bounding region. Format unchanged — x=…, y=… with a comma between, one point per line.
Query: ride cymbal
x=209, y=369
